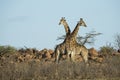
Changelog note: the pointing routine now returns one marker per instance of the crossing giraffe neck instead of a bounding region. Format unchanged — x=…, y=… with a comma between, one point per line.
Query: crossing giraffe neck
x=66, y=26
x=75, y=31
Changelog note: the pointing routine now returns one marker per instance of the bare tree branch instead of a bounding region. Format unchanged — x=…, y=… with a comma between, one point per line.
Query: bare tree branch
x=61, y=38
x=87, y=39
x=117, y=40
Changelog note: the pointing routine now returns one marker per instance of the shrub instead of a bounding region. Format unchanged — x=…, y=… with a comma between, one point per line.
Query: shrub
x=106, y=50
x=7, y=49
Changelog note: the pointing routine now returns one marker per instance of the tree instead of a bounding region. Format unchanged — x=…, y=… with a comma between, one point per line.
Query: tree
x=117, y=40
x=82, y=40
x=88, y=39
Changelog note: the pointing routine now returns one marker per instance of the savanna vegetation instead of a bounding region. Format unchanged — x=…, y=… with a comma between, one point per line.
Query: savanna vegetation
x=32, y=64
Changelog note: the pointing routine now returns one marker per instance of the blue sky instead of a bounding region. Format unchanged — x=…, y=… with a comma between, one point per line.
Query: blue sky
x=34, y=23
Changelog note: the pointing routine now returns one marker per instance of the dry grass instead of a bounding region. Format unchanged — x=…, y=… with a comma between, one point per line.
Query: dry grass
x=109, y=69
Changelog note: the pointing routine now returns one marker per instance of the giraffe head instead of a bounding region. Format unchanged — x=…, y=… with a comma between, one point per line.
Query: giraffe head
x=82, y=23
x=62, y=21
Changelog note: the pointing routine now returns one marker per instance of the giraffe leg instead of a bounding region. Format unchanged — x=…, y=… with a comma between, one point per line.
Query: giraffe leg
x=57, y=56
x=85, y=55
x=73, y=56
x=68, y=55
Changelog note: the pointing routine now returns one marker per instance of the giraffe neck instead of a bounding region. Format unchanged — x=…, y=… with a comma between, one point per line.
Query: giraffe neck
x=67, y=29
x=75, y=31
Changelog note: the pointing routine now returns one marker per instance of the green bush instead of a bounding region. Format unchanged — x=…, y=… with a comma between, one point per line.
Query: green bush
x=106, y=50
x=7, y=49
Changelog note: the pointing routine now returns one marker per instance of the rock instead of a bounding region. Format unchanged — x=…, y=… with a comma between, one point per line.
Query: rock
x=92, y=52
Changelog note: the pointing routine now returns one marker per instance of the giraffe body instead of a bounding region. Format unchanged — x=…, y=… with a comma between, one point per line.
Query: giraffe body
x=81, y=50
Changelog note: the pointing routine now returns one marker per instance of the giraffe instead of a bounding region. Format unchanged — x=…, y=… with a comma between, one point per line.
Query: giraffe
x=62, y=48
x=70, y=45
x=74, y=47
